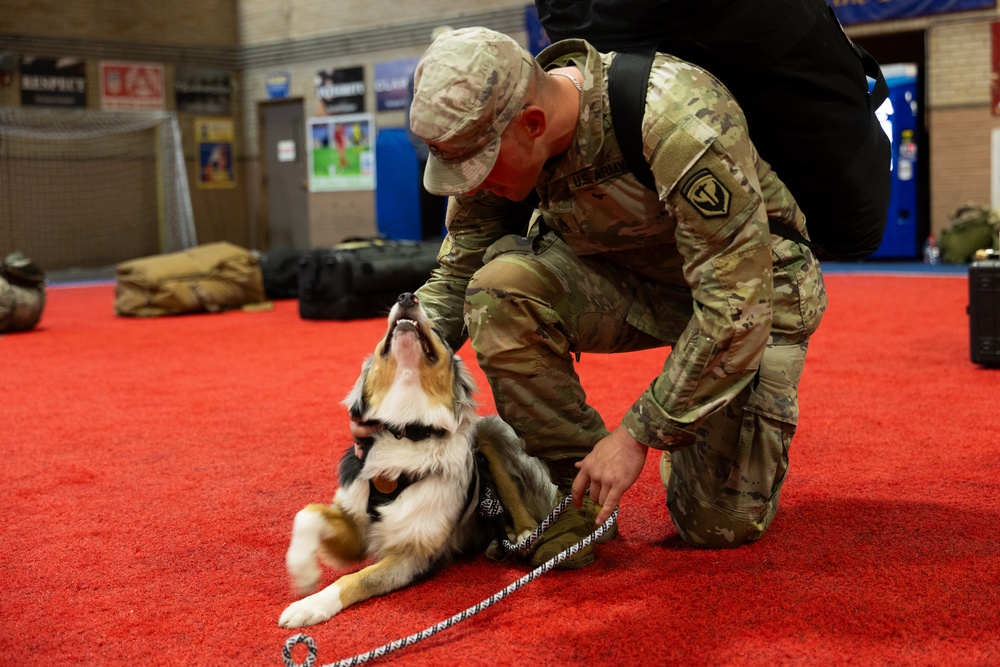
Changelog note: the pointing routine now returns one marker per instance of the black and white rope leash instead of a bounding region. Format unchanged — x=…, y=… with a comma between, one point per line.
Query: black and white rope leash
x=521, y=547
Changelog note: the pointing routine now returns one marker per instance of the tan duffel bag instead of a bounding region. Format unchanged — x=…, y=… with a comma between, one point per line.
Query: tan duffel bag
x=208, y=278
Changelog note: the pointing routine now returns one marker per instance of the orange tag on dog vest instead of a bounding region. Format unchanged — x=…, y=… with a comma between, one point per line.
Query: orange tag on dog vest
x=384, y=484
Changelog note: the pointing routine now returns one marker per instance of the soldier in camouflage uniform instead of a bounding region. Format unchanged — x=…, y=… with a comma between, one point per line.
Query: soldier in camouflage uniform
x=607, y=265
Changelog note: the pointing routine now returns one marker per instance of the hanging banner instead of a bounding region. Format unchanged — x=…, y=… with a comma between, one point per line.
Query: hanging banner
x=341, y=90
x=341, y=155
x=864, y=11
x=53, y=82
x=392, y=83
x=203, y=91
x=215, y=153
x=132, y=86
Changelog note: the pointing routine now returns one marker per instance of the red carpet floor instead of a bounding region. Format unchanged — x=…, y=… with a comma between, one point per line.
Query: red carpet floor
x=151, y=470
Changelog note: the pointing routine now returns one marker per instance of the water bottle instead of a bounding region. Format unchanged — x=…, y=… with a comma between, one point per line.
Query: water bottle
x=932, y=253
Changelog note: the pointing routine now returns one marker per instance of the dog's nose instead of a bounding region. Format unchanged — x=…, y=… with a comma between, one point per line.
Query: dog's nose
x=407, y=299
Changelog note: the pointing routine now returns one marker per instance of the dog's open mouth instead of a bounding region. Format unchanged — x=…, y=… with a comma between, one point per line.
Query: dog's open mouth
x=405, y=326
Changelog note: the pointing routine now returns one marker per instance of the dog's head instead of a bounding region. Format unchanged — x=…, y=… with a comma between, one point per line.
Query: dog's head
x=413, y=377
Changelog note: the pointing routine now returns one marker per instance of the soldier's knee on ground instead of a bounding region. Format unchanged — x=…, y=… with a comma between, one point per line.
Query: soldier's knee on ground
x=706, y=527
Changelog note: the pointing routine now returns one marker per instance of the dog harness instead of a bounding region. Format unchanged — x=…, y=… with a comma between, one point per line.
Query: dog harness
x=383, y=490
x=415, y=431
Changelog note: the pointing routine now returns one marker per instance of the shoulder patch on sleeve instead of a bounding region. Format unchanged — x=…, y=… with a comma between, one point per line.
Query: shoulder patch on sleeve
x=706, y=194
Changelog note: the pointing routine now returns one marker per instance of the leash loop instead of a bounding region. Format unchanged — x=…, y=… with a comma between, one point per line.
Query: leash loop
x=286, y=650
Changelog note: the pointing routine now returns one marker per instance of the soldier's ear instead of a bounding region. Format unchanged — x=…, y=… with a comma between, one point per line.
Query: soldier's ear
x=533, y=121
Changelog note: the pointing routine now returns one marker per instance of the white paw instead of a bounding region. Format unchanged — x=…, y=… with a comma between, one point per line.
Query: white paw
x=303, y=569
x=301, y=557
x=314, y=609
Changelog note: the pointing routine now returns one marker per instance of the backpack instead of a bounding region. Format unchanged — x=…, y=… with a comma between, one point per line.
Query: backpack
x=801, y=82
x=972, y=228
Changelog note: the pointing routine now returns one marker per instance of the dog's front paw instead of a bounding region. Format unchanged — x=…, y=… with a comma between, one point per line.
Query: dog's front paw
x=303, y=570
x=314, y=609
x=300, y=560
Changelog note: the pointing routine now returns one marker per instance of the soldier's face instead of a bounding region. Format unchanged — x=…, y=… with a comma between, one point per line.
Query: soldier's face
x=517, y=167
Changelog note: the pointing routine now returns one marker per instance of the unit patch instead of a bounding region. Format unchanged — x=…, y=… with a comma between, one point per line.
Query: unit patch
x=707, y=194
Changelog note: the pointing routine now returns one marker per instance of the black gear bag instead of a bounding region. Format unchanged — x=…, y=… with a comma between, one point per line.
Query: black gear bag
x=800, y=81
x=362, y=278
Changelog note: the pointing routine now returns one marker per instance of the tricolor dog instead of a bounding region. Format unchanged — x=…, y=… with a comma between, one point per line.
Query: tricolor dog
x=408, y=497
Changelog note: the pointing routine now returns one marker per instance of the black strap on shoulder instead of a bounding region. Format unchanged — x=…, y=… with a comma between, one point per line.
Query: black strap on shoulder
x=628, y=80
x=872, y=70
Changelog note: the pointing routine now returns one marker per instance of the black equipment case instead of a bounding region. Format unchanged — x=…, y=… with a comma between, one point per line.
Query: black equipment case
x=984, y=311
x=359, y=279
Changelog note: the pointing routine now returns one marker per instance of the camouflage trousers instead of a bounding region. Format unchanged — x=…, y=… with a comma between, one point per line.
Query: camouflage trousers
x=534, y=305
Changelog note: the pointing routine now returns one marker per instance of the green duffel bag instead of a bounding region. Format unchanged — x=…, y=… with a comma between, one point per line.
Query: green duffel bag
x=972, y=228
x=209, y=278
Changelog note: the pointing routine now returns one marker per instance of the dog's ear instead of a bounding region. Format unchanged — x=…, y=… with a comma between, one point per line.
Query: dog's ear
x=463, y=385
x=355, y=401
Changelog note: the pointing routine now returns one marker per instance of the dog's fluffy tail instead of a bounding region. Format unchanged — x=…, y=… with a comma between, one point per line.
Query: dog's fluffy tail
x=522, y=481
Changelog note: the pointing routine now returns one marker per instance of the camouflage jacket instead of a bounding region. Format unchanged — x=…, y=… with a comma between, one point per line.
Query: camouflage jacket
x=706, y=232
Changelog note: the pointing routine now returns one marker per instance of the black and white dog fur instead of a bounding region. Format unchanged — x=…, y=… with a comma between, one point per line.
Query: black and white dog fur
x=407, y=500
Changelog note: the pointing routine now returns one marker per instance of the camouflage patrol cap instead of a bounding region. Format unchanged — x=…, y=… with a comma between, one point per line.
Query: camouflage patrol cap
x=466, y=88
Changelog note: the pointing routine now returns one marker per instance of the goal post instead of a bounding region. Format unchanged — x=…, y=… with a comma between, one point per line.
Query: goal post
x=88, y=189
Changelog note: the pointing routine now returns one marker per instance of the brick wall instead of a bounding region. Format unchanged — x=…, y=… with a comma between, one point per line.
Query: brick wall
x=204, y=23
x=959, y=121
x=958, y=64
x=264, y=21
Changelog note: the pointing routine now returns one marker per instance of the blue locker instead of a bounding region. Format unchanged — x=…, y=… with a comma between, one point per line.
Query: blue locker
x=397, y=186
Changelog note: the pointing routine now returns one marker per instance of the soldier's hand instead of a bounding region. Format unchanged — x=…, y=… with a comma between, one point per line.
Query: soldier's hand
x=609, y=470
x=361, y=430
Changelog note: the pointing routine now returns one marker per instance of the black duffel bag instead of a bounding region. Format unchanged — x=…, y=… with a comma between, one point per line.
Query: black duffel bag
x=359, y=279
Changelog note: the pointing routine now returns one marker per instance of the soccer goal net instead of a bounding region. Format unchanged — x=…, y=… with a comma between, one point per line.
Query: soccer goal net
x=84, y=188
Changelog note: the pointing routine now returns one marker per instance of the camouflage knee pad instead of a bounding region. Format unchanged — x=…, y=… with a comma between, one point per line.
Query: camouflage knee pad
x=723, y=490
x=705, y=526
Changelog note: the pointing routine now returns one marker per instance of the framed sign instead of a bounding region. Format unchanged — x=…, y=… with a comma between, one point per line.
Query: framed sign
x=341, y=153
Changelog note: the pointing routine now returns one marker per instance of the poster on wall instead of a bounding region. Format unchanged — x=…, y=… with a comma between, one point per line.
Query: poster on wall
x=278, y=85
x=341, y=91
x=214, y=137
x=53, y=82
x=341, y=154
x=392, y=83
x=203, y=91
x=132, y=86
